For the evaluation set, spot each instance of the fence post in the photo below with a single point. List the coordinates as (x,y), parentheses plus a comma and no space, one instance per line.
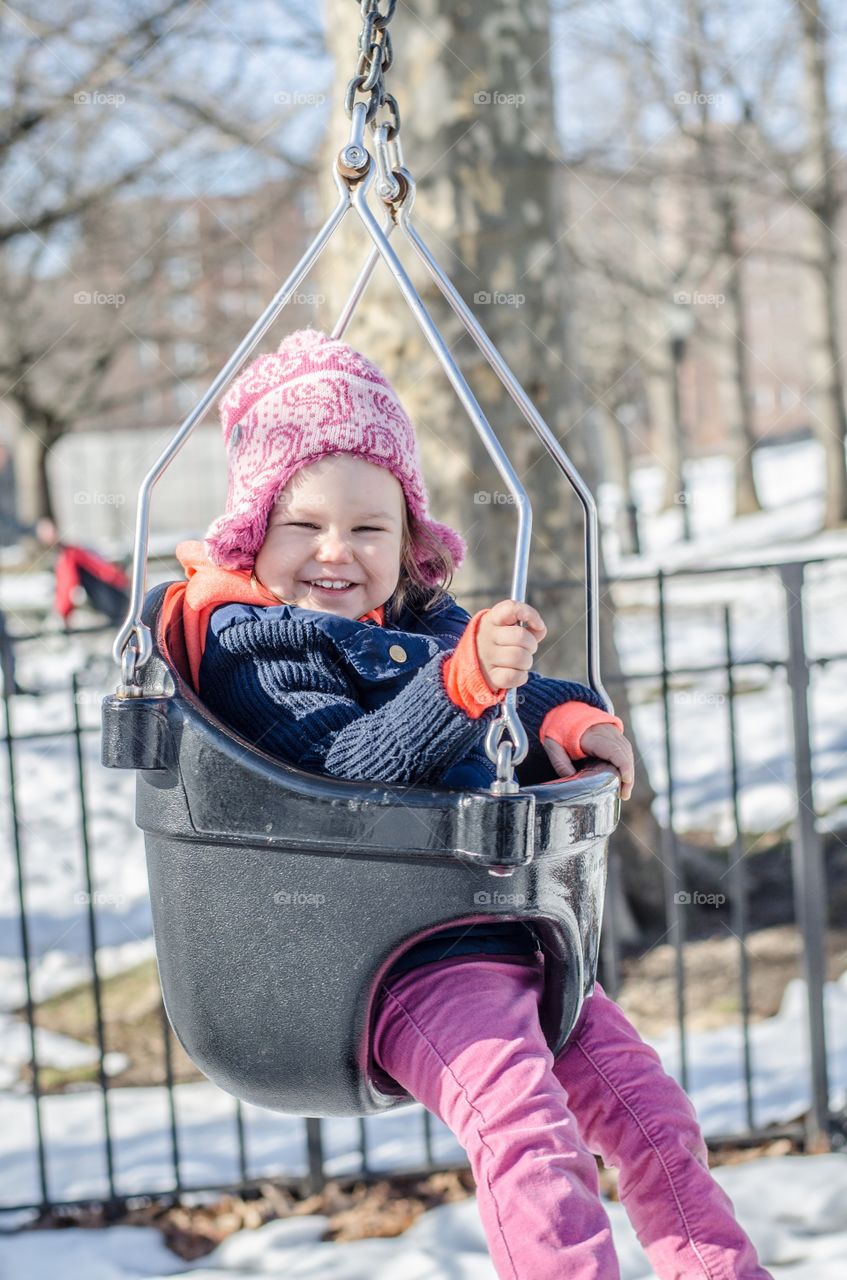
(674,898)
(26,949)
(807,859)
(314,1143)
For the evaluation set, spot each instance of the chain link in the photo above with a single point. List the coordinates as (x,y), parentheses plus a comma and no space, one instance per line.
(375,58)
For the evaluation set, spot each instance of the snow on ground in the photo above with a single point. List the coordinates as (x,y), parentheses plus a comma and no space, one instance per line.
(57,905)
(48,804)
(779,1052)
(790,479)
(794,1209)
(74,1132)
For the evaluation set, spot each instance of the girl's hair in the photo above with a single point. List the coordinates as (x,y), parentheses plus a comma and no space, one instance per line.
(412,590)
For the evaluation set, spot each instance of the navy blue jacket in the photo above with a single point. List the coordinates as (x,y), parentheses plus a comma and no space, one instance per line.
(366,702)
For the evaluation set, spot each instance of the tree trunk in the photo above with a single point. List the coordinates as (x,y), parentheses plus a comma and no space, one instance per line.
(659,391)
(733,350)
(33,437)
(824,353)
(619,470)
(735,354)
(489,204)
(43,497)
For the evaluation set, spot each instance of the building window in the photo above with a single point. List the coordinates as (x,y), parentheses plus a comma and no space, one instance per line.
(185,310)
(148,356)
(185,227)
(233,270)
(181,270)
(188,357)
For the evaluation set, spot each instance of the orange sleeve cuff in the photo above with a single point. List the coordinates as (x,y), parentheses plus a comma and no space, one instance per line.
(466,685)
(567,723)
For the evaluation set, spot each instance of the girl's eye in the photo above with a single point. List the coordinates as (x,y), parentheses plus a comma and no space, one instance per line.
(305,524)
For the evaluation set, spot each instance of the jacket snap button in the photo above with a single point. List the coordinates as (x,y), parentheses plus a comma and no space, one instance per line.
(398,653)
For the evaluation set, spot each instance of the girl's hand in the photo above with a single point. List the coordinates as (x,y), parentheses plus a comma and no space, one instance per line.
(606,742)
(505,648)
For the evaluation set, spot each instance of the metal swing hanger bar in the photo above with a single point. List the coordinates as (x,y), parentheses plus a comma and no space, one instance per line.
(506,755)
(354,174)
(397,190)
(133,646)
(539,426)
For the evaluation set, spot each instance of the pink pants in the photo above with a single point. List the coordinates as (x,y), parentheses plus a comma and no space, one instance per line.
(462,1036)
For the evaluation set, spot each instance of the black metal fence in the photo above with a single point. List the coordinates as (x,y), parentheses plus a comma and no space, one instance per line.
(727,665)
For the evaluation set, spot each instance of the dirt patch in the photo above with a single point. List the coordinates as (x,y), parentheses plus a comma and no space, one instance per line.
(712,969)
(356,1210)
(135,1026)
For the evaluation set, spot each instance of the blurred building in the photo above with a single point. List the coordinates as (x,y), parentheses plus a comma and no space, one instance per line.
(632,232)
(188,278)
(772,280)
(182,282)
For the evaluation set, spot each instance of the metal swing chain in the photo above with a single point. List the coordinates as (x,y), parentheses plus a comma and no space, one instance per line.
(375,58)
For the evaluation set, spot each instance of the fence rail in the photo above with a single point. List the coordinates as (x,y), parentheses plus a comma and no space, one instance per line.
(809,881)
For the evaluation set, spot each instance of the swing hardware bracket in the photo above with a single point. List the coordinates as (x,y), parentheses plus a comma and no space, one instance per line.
(354,158)
(136,733)
(130,685)
(510,844)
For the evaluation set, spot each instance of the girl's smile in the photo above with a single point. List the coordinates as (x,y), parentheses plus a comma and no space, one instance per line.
(334,537)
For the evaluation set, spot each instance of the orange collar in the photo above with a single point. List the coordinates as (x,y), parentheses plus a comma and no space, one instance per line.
(208,586)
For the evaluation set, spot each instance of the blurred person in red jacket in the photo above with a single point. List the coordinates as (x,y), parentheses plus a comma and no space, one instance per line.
(84,577)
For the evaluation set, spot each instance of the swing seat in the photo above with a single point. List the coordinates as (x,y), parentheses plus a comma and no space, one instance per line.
(281,898)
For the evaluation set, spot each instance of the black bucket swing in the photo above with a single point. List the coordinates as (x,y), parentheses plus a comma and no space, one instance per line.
(275,1005)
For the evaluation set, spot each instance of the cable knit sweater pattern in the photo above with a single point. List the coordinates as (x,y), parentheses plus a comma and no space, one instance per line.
(355,700)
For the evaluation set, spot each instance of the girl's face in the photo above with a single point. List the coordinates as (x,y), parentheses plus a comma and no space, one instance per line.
(339,519)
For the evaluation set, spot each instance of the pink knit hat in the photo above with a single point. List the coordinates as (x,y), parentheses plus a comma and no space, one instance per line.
(314,397)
